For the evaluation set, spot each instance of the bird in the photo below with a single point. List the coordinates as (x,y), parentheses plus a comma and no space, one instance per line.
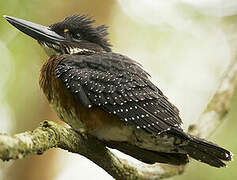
(111,97)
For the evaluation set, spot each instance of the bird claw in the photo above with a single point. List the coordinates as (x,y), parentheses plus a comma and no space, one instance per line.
(82,132)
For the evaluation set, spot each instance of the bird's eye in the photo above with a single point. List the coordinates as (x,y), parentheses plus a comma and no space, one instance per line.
(77,36)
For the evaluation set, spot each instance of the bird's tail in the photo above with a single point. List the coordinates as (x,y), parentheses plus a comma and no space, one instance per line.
(207,152)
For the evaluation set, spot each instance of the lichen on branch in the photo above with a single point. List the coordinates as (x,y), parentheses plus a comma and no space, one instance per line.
(50,135)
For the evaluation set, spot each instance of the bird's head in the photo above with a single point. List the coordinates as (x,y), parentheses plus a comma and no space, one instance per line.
(73,35)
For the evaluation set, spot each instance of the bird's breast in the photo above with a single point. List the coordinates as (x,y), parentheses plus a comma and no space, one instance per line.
(58,96)
(70,110)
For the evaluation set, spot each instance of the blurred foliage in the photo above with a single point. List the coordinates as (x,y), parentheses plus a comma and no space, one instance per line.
(21,59)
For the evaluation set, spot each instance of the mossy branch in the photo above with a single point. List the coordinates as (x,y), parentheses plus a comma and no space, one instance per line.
(50,135)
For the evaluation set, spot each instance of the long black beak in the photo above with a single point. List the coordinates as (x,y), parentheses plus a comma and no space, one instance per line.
(36,31)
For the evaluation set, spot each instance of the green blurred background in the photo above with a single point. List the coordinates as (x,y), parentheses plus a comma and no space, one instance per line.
(185,47)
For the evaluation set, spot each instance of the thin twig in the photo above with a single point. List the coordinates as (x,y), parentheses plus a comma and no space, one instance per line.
(219,105)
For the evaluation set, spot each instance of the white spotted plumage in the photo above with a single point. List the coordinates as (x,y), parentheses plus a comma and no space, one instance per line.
(126,92)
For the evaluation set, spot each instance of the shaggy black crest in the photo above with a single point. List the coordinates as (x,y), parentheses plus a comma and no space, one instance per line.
(82,25)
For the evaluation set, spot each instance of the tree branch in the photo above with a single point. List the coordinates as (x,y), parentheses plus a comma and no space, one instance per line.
(50,135)
(219,105)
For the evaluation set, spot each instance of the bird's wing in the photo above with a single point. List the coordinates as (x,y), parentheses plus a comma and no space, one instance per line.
(118,85)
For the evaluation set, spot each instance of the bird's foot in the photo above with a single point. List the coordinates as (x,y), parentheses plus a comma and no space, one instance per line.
(82,132)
